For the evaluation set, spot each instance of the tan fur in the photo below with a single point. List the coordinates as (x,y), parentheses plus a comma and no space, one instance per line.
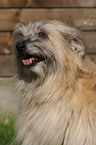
(58,104)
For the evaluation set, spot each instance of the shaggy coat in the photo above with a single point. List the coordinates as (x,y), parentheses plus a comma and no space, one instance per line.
(57,85)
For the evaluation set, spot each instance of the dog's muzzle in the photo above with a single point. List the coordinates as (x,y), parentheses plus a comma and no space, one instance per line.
(27,59)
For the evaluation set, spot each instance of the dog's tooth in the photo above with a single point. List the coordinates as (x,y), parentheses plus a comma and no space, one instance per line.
(30,61)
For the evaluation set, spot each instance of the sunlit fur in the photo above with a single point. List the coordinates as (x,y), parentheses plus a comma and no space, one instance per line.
(58,96)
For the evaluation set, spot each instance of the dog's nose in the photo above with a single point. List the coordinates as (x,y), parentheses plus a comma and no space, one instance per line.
(20,46)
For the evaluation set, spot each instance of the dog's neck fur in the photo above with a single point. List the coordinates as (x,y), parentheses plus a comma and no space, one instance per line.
(44,97)
(53,103)
(44,90)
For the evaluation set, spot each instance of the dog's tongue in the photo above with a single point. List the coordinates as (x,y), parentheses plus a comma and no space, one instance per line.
(28,61)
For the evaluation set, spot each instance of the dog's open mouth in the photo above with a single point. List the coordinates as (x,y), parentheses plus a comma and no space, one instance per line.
(32,60)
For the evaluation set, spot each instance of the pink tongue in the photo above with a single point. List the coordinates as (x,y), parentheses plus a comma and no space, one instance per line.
(28,61)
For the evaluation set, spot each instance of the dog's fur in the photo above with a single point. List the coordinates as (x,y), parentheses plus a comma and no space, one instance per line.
(58,95)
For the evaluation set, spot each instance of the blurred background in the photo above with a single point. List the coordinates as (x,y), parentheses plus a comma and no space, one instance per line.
(79,13)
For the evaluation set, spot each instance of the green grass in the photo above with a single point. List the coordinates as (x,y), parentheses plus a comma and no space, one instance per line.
(7,130)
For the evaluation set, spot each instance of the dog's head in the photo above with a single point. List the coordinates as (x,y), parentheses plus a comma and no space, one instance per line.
(47,46)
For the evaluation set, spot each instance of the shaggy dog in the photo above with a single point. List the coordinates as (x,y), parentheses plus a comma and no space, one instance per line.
(57,86)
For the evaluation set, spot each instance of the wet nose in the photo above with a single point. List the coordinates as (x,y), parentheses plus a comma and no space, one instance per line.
(20,46)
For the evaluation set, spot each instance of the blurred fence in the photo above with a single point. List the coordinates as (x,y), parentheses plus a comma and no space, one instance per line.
(81,13)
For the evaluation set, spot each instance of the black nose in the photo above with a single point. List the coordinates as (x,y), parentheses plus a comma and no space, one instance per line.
(20,46)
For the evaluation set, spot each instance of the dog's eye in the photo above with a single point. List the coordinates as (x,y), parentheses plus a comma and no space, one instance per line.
(21,35)
(42,34)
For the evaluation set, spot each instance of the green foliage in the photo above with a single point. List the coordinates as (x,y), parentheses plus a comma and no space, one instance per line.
(7,131)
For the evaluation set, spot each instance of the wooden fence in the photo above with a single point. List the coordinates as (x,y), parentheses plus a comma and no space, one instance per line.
(81,13)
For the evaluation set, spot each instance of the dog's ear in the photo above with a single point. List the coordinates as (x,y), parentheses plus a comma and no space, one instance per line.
(74,37)
(76,40)
(18,25)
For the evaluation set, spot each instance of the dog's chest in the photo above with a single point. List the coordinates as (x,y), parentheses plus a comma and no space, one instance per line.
(44,125)
(52,125)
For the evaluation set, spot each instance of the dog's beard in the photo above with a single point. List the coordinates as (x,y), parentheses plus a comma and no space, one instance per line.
(43,48)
